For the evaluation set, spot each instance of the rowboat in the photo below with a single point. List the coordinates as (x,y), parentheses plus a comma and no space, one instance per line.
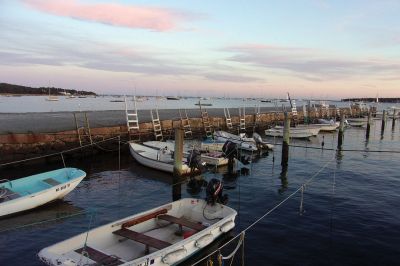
(296,134)
(314,130)
(162,236)
(160,159)
(321,127)
(33,191)
(215,158)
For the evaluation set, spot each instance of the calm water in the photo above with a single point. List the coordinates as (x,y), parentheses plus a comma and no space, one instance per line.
(350,216)
(25,104)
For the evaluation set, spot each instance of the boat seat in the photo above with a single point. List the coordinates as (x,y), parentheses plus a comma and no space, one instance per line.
(51,181)
(143,218)
(99,257)
(148,241)
(182,222)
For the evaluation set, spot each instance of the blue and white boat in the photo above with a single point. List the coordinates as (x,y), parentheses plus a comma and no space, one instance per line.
(33,191)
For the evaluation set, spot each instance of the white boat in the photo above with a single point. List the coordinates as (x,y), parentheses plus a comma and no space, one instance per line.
(314,130)
(297,134)
(357,122)
(160,159)
(33,191)
(244,143)
(215,158)
(162,236)
(52,97)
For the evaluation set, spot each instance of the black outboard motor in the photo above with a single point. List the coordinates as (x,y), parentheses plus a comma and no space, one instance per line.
(230,150)
(194,160)
(214,192)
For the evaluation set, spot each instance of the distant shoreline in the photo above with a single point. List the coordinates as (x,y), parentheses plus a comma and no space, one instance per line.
(380,100)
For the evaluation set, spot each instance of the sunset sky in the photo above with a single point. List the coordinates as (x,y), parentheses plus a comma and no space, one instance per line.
(310,48)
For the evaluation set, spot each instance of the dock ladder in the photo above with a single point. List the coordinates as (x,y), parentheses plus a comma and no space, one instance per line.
(242,119)
(83,128)
(257,116)
(132,120)
(185,123)
(155,118)
(206,122)
(228,119)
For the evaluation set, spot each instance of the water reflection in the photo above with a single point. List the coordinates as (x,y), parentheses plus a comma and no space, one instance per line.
(284,181)
(44,216)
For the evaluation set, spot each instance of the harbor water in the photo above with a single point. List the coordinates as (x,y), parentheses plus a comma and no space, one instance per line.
(347,214)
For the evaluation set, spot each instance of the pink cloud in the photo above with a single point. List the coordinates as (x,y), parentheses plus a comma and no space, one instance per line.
(153,18)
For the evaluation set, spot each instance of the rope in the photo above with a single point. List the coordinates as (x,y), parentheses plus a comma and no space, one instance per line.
(62,157)
(270,211)
(241,239)
(333,149)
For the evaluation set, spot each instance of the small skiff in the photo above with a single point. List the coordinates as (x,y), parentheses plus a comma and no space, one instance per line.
(33,191)
(314,130)
(211,158)
(162,236)
(247,144)
(295,134)
(357,122)
(160,159)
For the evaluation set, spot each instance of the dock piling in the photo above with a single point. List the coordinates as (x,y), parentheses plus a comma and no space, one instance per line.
(368,124)
(178,154)
(394,119)
(341,130)
(383,122)
(285,144)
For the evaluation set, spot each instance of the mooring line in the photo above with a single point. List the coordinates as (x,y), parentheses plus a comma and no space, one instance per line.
(268,212)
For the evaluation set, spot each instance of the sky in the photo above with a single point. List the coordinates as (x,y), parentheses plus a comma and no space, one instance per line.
(259,48)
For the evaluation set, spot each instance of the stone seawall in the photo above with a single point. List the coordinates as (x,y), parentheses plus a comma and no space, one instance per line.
(17,146)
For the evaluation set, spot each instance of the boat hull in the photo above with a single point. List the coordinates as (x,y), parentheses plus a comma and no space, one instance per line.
(33,199)
(130,252)
(299,134)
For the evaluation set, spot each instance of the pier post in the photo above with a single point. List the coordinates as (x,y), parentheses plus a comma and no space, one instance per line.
(285,144)
(383,122)
(178,154)
(341,130)
(368,124)
(394,119)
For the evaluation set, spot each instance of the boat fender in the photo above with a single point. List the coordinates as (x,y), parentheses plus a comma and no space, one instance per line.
(204,241)
(174,256)
(227,226)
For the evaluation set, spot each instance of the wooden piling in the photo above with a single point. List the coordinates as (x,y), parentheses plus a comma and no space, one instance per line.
(341,130)
(383,122)
(368,124)
(286,137)
(178,156)
(394,119)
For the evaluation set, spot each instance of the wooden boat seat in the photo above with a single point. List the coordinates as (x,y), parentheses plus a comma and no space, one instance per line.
(51,181)
(99,257)
(143,218)
(182,222)
(148,241)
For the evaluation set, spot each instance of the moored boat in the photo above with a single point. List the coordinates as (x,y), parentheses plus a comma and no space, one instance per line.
(33,191)
(165,235)
(243,142)
(297,134)
(160,159)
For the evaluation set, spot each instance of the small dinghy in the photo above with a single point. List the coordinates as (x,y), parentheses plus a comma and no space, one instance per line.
(215,158)
(33,191)
(357,122)
(162,236)
(296,134)
(160,159)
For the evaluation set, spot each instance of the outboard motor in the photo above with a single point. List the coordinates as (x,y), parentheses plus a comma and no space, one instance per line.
(230,151)
(194,160)
(257,138)
(214,192)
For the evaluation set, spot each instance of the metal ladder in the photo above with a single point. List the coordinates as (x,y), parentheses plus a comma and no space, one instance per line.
(132,121)
(185,123)
(155,118)
(206,122)
(83,129)
(242,119)
(228,119)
